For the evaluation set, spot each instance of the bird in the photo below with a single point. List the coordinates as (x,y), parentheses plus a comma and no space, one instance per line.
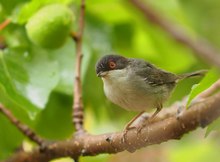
(137,85)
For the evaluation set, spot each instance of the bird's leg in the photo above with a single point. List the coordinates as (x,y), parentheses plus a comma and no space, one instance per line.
(155,113)
(180,108)
(127,127)
(159,107)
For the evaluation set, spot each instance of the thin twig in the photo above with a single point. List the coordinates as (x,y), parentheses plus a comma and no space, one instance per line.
(200,47)
(4,24)
(22,127)
(78,104)
(198,115)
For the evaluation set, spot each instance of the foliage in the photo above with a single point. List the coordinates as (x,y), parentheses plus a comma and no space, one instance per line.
(50,26)
(36,83)
(211,77)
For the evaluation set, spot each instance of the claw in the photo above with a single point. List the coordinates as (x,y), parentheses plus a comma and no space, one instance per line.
(130,126)
(139,129)
(124,135)
(125,131)
(179,111)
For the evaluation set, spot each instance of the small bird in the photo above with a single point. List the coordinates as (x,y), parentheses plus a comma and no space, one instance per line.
(137,85)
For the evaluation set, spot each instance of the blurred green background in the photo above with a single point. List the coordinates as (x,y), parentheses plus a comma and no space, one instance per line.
(36,84)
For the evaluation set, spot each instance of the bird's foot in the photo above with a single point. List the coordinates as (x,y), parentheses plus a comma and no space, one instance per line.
(180,109)
(124,133)
(139,129)
(144,124)
(130,126)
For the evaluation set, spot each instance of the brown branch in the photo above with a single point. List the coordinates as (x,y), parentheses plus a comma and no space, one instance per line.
(78,104)
(22,127)
(200,47)
(199,114)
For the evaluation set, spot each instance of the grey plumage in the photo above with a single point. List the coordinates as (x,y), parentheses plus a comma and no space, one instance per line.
(135,84)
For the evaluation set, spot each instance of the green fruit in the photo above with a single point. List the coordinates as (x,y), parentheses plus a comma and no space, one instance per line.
(50,26)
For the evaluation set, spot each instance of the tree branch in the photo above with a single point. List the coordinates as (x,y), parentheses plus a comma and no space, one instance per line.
(22,127)
(200,47)
(78,104)
(199,114)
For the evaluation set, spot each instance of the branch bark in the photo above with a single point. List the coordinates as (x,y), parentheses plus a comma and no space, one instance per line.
(201,48)
(198,115)
(77,100)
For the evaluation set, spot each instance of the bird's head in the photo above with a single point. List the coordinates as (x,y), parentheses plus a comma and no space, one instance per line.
(110,62)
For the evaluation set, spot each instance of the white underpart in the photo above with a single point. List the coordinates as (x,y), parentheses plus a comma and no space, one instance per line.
(130,91)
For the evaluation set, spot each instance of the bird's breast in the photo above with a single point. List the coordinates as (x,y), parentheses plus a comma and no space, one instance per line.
(127,93)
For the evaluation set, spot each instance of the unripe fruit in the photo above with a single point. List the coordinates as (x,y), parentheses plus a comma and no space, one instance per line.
(50,26)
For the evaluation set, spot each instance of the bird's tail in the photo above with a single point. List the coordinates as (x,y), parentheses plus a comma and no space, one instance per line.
(193,74)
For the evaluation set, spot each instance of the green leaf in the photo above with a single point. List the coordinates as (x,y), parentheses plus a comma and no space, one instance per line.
(55,121)
(43,78)
(15,36)
(10,137)
(65,57)
(213,126)
(8,6)
(28,77)
(107,9)
(30,8)
(9,85)
(123,34)
(206,82)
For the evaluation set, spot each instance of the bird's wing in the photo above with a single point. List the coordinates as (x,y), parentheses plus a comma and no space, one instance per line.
(154,76)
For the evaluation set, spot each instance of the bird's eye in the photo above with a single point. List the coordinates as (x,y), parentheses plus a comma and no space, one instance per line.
(112,64)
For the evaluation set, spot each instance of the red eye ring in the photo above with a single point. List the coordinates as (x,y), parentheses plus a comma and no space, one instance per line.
(112,64)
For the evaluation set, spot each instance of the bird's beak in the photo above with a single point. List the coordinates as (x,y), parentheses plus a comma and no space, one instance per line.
(102,73)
